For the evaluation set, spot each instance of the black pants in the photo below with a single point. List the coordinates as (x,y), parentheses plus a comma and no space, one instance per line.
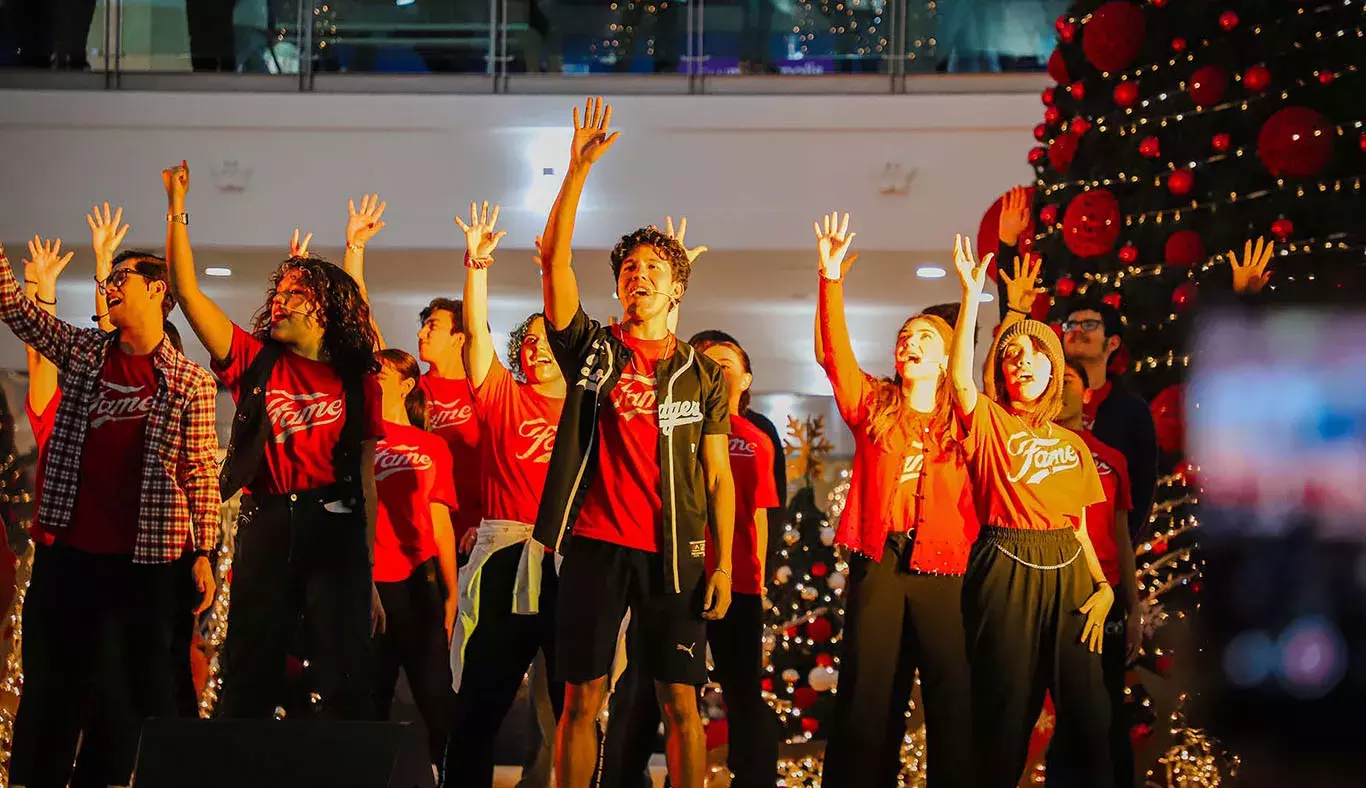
(497,657)
(1024,638)
(295,558)
(97,653)
(737,652)
(414,639)
(1114,664)
(897,621)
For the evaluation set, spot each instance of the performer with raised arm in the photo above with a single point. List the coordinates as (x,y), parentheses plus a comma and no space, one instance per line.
(1035,597)
(415,570)
(506,615)
(640,467)
(309,414)
(106,589)
(909,522)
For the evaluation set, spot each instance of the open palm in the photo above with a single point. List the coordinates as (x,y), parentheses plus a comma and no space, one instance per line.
(833,241)
(591,139)
(972,273)
(480,237)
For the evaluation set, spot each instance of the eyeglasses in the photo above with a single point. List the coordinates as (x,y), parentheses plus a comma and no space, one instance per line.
(1085,325)
(116,280)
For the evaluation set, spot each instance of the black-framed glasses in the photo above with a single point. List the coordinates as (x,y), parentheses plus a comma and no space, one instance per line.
(117,279)
(1085,325)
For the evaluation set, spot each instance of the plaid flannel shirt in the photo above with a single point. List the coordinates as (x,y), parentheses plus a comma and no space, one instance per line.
(179,495)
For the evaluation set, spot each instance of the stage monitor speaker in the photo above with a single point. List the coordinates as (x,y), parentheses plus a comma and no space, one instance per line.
(175,753)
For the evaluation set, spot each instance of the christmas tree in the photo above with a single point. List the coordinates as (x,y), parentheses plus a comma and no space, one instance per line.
(1177,131)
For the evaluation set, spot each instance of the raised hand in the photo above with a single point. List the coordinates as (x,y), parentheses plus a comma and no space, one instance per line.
(833,240)
(591,139)
(693,253)
(177,181)
(480,238)
(45,261)
(1250,275)
(1014,215)
(971,273)
(299,248)
(106,231)
(1021,289)
(366,223)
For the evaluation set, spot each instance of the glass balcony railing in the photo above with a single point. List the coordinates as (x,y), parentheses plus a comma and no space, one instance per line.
(702,40)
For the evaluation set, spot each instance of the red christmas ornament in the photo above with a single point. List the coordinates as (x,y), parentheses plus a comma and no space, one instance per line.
(791,632)
(1178,44)
(1221,142)
(1186,471)
(1052,115)
(294,668)
(1048,96)
(1228,20)
(819,569)
(825,660)
(804,698)
(1159,546)
(1197,587)
(1069,33)
(1065,286)
(1361,143)
(1056,326)
(1159,3)
(1079,126)
(1040,131)
(1091,223)
(1150,147)
(717,733)
(1126,94)
(1037,154)
(1257,78)
(1163,665)
(766,685)
(1140,733)
(1296,141)
(1114,35)
(1111,298)
(1059,22)
(1326,77)
(1207,85)
(1180,182)
(1048,214)
(1042,303)
(1282,228)
(1184,248)
(819,629)
(810,725)
(1061,151)
(1128,254)
(1078,90)
(1057,68)
(1169,417)
(1183,297)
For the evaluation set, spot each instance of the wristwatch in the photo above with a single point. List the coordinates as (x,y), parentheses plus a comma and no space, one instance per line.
(182,218)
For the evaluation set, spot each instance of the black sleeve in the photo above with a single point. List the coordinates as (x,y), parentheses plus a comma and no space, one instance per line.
(571,344)
(1142,459)
(1005,260)
(779,458)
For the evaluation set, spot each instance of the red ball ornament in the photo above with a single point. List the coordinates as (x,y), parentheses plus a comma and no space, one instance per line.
(1184,248)
(819,629)
(1257,78)
(1052,115)
(1059,22)
(1078,90)
(1169,418)
(1159,546)
(1228,20)
(1069,33)
(1112,299)
(1361,142)
(1057,68)
(1048,214)
(1186,471)
(1207,85)
(1126,94)
(1039,310)
(1140,733)
(1282,228)
(1150,147)
(1040,131)
(791,632)
(1180,182)
(1296,141)
(1114,35)
(1178,44)
(804,698)
(819,569)
(1183,297)
(1163,665)
(1065,287)
(1221,142)
(1091,223)
(1128,254)
(766,685)
(1037,154)
(1061,151)
(1326,77)
(1048,96)
(1079,126)
(825,661)
(1159,3)
(810,725)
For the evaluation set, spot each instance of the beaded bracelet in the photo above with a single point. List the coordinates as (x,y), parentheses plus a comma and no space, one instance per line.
(477,263)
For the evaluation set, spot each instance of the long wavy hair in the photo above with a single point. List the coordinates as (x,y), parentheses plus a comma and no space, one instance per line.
(402,362)
(889,407)
(348,334)
(515,346)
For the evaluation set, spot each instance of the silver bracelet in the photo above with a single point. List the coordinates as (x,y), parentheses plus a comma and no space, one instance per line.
(725,572)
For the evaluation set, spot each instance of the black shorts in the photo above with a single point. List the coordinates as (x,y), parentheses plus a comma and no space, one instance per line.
(598,582)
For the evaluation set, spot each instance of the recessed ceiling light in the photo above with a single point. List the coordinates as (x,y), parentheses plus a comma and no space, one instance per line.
(930,272)
(213,271)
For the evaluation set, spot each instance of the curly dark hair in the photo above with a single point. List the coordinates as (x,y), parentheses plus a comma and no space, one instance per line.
(153,269)
(665,246)
(348,333)
(515,346)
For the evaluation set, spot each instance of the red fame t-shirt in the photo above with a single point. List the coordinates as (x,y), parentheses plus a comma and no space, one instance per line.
(307,409)
(623,504)
(450,414)
(751,463)
(105,518)
(41,424)
(519,426)
(412,472)
(1100,517)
